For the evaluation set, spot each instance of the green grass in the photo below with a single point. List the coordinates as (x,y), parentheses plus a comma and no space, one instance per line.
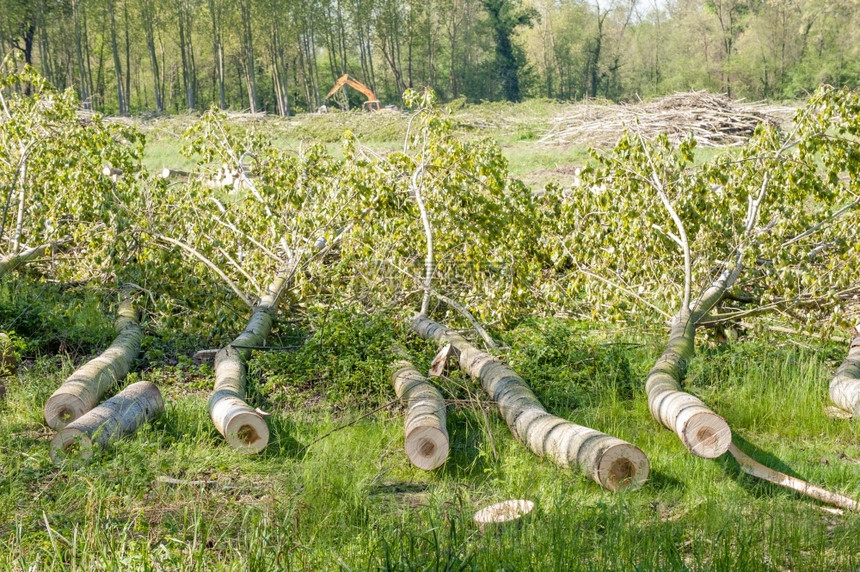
(334,490)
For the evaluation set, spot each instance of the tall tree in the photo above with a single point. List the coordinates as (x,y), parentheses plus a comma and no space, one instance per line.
(147,20)
(505,17)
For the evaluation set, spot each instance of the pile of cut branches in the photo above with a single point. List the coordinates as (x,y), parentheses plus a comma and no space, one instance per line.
(714,119)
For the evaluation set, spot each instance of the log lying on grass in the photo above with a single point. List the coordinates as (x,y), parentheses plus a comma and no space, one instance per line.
(239,423)
(702,431)
(845,386)
(426,433)
(613,463)
(120,415)
(83,389)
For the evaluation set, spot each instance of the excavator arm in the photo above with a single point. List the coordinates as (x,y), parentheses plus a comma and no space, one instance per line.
(372,103)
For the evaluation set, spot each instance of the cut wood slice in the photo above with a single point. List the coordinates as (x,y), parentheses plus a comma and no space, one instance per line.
(502,512)
(120,415)
(83,389)
(426,440)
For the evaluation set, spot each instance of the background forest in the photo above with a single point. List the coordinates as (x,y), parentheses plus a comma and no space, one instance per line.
(281,56)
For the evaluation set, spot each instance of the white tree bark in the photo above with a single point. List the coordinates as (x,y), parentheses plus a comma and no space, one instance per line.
(611,462)
(83,389)
(702,431)
(845,386)
(120,415)
(239,423)
(426,436)
(13,261)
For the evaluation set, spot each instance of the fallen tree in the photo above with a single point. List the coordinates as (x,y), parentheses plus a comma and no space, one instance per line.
(83,389)
(239,423)
(426,437)
(120,415)
(845,386)
(611,462)
(765,225)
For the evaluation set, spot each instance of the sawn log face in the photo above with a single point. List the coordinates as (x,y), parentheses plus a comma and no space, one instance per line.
(238,422)
(702,431)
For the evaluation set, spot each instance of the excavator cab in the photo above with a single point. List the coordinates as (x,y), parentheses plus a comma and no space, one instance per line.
(370,105)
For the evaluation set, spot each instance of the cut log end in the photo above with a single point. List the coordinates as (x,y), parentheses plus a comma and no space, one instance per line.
(499,513)
(71,444)
(623,467)
(247,432)
(427,447)
(706,435)
(62,409)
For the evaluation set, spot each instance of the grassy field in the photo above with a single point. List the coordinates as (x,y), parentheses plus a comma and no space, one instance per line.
(516,127)
(334,490)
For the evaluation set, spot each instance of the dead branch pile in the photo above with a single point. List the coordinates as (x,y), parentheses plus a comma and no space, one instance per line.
(714,119)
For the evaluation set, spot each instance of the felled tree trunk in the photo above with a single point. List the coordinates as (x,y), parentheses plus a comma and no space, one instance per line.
(425,430)
(239,423)
(83,389)
(613,463)
(702,431)
(120,415)
(13,261)
(845,386)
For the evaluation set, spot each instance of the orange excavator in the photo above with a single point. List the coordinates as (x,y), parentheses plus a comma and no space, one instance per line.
(372,104)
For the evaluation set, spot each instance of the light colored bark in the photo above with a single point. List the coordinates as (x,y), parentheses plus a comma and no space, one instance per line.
(239,423)
(756,469)
(611,462)
(702,431)
(13,261)
(120,415)
(83,389)
(426,436)
(845,386)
